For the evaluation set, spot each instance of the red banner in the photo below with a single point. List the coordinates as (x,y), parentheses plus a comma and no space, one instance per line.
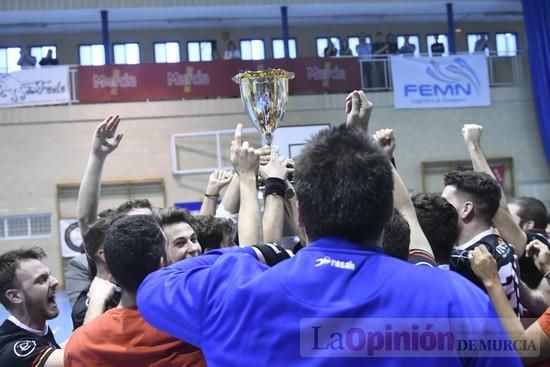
(209,79)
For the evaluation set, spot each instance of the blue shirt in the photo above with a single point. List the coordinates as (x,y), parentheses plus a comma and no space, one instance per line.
(323,307)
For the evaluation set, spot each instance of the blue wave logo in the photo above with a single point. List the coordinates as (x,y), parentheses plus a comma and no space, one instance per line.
(455,79)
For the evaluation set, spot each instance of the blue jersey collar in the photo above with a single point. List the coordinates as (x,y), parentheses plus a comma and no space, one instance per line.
(341,243)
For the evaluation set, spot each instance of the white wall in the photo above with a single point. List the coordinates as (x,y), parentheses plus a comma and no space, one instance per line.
(43,146)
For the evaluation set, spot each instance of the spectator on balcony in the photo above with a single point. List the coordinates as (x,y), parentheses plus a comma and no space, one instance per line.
(392,45)
(482,44)
(437,47)
(26,60)
(379,47)
(330,50)
(49,59)
(408,48)
(364,49)
(345,50)
(231,53)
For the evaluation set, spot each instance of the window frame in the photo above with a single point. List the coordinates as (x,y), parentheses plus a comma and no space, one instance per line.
(42,46)
(417,52)
(282,39)
(328,37)
(91,44)
(354,50)
(251,39)
(126,43)
(18,68)
(164,43)
(6,236)
(475,34)
(429,47)
(211,41)
(516,51)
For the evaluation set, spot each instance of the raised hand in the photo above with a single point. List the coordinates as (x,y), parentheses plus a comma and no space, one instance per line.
(540,254)
(472,133)
(386,139)
(358,110)
(243,157)
(217,181)
(483,264)
(275,168)
(105,138)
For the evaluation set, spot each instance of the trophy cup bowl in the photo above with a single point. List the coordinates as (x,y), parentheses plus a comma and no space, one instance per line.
(264,94)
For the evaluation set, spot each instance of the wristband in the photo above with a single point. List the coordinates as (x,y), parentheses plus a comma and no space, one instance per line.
(211,196)
(273,253)
(276,186)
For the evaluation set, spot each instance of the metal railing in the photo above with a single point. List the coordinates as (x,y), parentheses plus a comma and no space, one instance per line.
(503,71)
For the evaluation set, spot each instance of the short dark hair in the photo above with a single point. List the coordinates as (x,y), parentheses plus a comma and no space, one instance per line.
(531,208)
(397,237)
(167,216)
(9,262)
(95,235)
(134,246)
(344,185)
(210,230)
(439,221)
(481,188)
(134,204)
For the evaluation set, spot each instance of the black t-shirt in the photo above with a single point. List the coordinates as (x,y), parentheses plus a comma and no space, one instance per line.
(527,270)
(81,306)
(22,348)
(438,48)
(506,265)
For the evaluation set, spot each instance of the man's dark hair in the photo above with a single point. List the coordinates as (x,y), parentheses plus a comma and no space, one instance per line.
(134,246)
(9,262)
(134,204)
(344,185)
(533,209)
(210,231)
(439,222)
(167,216)
(95,235)
(397,237)
(480,188)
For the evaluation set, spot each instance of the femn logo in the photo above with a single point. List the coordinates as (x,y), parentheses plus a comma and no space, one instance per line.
(455,79)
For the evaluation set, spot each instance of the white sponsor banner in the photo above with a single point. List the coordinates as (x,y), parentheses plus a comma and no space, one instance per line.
(440,82)
(34,87)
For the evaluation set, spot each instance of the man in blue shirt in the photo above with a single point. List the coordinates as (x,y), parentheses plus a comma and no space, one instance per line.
(340,300)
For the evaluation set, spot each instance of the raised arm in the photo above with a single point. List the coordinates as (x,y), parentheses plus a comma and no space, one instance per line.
(485,267)
(503,221)
(401,199)
(358,110)
(246,162)
(216,182)
(274,174)
(104,142)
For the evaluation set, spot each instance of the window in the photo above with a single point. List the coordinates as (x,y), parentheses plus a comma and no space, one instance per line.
(479,39)
(92,54)
(200,51)
(413,40)
(41,51)
(126,53)
(252,49)
(507,44)
(353,41)
(25,226)
(8,59)
(167,52)
(279,48)
(430,40)
(322,43)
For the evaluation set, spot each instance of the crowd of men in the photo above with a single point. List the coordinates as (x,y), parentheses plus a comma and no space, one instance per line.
(338,265)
